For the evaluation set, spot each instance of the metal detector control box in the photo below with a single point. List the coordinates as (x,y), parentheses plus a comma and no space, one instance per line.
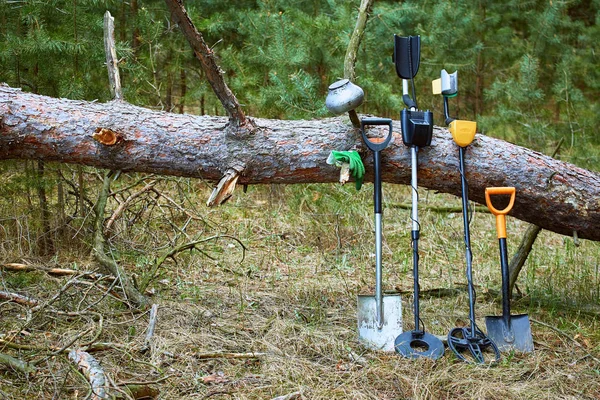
(417,127)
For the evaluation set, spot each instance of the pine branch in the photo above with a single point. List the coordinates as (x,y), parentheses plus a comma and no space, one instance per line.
(206,56)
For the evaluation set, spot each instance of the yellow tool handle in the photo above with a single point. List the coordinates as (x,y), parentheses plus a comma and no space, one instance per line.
(500,214)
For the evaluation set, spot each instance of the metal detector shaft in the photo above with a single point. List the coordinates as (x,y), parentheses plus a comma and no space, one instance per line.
(417,343)
(461,339)
(468,253)
(415,232)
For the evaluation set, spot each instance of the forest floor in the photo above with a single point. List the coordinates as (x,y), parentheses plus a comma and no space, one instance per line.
(278,319)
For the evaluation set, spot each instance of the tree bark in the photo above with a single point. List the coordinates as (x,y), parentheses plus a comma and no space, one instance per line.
(553,194)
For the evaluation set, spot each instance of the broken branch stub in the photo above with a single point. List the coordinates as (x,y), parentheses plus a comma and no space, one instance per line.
(224,189)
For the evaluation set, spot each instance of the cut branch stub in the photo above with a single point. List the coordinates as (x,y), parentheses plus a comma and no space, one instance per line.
(107,136)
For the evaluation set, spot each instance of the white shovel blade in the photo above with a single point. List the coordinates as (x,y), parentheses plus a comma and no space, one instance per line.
(368,332)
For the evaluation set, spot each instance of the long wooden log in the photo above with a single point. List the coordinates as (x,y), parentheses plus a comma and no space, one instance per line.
(553,194)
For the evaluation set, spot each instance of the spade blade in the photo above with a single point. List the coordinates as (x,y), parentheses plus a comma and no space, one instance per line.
(516,335)
(368,331)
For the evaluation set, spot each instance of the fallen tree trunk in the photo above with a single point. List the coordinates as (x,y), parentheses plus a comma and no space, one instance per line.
(554,195)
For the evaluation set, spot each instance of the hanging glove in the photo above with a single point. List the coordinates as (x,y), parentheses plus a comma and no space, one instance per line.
(352,158)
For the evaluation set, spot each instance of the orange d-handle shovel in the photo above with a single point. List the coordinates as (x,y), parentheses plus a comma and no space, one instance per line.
(509,332)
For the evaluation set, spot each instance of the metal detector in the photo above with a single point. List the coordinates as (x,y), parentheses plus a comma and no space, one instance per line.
(379,316)
(468,343)
(417,131)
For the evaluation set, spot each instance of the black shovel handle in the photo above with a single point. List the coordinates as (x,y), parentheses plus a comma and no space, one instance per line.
(506,295)
(376,146)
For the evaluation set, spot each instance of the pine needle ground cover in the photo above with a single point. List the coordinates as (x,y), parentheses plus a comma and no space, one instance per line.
(279,318)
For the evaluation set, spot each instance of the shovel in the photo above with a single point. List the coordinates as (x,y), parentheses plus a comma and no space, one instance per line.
(509,332)
(379,316)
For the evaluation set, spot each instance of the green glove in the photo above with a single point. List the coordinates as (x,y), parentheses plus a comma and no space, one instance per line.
(349,157)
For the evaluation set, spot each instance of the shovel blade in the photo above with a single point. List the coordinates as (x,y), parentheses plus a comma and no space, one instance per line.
(369,332)
(516,337)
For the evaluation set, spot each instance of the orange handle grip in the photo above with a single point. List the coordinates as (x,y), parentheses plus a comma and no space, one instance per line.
(500,214)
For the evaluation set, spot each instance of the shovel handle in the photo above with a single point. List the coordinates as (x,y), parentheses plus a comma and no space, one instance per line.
(376,144)
(500,214)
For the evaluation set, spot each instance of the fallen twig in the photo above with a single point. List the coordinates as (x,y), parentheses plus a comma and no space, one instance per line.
(16,364)
(180,208)
(110,265)
(555,329)
(289,396)
(151,325)
(117,213)
(16,346)
(56,296)
(18,298)
(51,271)
(229,355)
(144,383)
(77,337)
(91,369)
(103,346)
(178,249)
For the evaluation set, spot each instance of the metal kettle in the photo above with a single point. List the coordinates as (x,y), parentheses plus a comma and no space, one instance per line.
(343,96)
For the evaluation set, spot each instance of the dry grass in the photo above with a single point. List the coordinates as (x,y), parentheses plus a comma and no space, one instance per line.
(293,300)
